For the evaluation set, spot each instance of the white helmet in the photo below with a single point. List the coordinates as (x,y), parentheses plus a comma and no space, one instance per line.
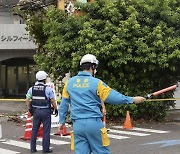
(41,75)
(89,58)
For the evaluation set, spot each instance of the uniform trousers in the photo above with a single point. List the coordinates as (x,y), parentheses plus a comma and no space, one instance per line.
(87,136)
(44,116)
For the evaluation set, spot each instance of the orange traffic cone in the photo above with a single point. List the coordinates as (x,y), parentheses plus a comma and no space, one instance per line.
(127,123)
(40,132)
(58,133)
(28,130)
(64,131)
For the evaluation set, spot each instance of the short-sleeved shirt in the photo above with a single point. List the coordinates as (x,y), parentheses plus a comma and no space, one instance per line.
(48,91)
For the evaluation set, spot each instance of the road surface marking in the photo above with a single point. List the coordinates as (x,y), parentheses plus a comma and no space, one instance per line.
(165,143)
(144,130)
(21,144)
(127,132)
(53,141)
(5,151)
(68,136)
(117,137)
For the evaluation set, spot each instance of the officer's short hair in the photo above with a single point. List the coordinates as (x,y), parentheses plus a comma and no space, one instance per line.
(86,66)
(41,80)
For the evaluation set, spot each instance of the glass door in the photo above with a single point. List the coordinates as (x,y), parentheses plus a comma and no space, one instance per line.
(11,80)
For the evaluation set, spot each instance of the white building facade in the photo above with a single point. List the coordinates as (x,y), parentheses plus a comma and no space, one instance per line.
(17,67)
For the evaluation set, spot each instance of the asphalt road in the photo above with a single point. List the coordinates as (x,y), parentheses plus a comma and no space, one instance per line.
(144,138)
(163,138)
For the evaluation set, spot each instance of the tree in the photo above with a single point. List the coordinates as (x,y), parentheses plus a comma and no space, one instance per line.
(137,43)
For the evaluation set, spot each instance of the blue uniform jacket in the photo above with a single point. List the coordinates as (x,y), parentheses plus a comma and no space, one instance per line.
(84,93)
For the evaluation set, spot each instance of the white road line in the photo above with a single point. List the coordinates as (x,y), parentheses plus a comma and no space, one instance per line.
(127,132)
(117,137)
(5,151)
(53,141)
(68,136)
(144,130)
(21,144)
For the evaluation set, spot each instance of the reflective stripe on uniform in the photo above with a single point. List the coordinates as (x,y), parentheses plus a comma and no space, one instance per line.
(29,96)
(40,107)
(65,93)
(38,97)
(103,91)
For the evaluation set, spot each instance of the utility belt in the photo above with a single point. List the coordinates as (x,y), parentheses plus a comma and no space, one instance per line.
(41,103)
(40,107)
(88,119)
(33,108)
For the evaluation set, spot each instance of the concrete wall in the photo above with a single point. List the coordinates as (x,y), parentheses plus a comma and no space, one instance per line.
(10,18)
(8,54)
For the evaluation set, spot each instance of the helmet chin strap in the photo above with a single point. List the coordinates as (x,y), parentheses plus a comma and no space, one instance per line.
(94,71)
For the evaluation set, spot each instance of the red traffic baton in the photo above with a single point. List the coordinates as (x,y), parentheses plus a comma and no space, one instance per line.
(162,91)
(104,120)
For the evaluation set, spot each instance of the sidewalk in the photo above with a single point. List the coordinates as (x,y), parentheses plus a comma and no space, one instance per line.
(177,95)
(174,114)
(14,108)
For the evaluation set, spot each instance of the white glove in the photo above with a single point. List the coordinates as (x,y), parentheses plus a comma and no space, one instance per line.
(138,99)
(60,127)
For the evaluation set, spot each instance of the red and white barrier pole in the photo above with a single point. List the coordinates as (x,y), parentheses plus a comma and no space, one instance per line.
(104,120)
(162,91)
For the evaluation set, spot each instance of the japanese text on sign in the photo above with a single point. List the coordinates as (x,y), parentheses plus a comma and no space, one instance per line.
(16,38)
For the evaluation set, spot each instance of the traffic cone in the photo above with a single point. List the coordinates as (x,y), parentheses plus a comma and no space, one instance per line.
(28,130)
(40,132)
(127,123)
(64,131)
(58,133)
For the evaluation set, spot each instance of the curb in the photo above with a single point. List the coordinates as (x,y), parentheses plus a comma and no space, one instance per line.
(173,115)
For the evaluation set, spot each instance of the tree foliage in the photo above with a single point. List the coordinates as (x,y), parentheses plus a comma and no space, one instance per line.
(137,43)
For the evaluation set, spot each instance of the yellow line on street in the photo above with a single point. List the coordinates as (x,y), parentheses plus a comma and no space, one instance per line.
(147,100)
(15,100)
(165,99)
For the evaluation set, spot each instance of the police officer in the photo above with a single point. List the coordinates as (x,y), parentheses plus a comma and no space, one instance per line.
(39,99)
(84,93)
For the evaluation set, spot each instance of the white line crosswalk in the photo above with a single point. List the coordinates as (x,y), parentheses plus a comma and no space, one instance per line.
(114,133)
(5,151)
(128,133)
(144,130)
(21,144)
(118,137)
(57,142)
